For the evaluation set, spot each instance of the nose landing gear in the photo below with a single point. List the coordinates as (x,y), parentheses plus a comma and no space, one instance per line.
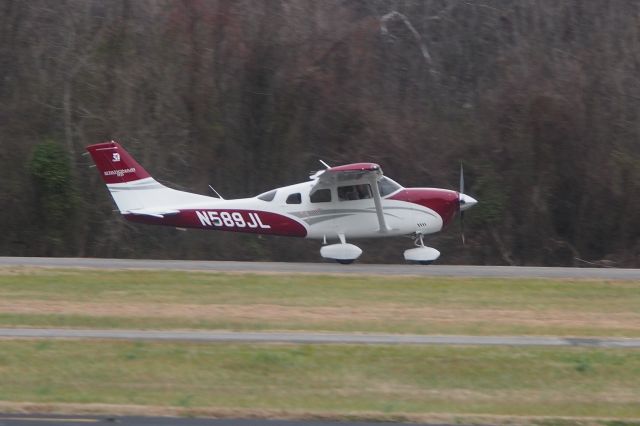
(421,254)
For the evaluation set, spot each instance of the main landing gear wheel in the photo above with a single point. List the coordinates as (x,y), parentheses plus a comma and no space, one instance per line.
(421,254)
(343,252)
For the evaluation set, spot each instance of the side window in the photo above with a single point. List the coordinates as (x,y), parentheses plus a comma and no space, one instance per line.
(321,196)
(294,198)
(267,196)
(354,192)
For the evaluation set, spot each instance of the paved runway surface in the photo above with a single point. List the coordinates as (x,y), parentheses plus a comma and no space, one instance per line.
(317,338)
(329,268)
(42,420)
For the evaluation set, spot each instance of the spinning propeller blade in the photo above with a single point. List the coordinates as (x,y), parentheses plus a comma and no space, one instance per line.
(461,201)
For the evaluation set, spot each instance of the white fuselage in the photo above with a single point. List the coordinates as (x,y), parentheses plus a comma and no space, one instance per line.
(326,219)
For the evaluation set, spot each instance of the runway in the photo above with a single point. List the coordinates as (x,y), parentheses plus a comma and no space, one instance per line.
(311,338)
(329,268)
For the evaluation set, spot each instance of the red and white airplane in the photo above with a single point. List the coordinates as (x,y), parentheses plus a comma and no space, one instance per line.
(337,203)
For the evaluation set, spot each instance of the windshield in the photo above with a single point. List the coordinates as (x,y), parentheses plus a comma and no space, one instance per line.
(387,186)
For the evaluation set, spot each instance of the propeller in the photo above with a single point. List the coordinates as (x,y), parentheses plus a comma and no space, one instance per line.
(461,201)
(464,201)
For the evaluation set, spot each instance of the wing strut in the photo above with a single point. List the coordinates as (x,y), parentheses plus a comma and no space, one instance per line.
(378,202)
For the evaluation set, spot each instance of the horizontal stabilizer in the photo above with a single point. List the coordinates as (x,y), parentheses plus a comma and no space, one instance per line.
(152,212)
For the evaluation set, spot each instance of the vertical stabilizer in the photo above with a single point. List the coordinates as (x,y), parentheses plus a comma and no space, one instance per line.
(132,188)
(115,164)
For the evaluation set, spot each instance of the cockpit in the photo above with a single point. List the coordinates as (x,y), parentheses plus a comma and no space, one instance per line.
(354,192)
(361,191)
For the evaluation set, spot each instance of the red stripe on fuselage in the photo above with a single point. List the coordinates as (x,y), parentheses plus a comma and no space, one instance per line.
(248,221)
(442,201)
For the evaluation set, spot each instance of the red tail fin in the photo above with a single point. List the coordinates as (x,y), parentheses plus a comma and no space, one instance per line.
(115,164)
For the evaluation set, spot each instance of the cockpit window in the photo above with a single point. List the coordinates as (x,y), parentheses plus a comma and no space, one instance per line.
(321,196)
(268,196)
(354,192)
(387,186)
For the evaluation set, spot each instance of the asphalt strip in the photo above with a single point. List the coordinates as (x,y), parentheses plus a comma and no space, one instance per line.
(311,338)
(328,268)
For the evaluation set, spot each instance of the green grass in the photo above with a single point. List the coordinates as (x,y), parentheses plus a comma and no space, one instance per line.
(327,378)
(388,380)
(147,299)
(313,290)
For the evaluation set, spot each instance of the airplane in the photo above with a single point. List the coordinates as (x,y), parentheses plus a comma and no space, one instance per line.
(351,201)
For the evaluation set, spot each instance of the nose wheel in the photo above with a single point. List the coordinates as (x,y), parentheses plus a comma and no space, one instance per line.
(421,254)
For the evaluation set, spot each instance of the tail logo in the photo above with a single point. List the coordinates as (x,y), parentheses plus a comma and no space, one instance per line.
(120,173)
(116,157)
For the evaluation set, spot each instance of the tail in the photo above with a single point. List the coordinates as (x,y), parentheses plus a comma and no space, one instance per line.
(132,187)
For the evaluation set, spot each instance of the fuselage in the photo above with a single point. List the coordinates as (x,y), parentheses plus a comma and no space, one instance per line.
(304,210)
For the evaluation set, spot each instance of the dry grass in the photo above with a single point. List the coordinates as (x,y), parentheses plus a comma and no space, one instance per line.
(326,314)
(114,410)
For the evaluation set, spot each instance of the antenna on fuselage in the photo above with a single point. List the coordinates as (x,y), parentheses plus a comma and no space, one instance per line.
(316,174)
(215,192)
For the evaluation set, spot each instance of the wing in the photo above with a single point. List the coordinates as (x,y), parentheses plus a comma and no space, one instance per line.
(334,175)
(350,172)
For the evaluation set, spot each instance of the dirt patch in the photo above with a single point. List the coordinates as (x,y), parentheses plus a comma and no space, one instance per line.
(324,314)
(114,410)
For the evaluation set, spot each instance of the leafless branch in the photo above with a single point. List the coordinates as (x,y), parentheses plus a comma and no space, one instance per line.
(421,44)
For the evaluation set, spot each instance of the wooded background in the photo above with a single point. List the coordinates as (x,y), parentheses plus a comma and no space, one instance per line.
(539,99)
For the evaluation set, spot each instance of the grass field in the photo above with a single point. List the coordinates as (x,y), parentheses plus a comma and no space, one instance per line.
(327,378)
(339,381)
(187,300)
